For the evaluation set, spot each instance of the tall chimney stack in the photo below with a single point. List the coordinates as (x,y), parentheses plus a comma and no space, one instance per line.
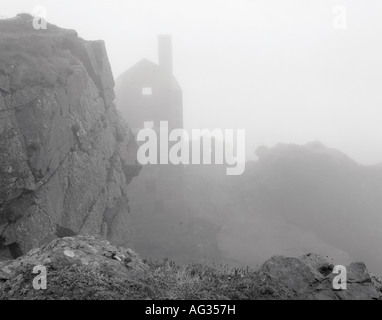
(165,53)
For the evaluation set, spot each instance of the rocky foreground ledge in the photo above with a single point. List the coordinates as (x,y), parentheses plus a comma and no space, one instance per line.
(85,268)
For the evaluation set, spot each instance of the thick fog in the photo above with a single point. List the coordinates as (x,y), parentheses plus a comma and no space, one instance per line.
(286,71)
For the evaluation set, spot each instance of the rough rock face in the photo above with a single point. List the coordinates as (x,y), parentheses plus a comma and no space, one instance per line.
(76,268)
(90,268)
(310,277)
(66,156)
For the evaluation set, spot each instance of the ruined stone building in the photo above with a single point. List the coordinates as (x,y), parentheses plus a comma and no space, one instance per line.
(149,92)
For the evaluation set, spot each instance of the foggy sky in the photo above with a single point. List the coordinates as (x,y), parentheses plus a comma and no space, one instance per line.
(277,68)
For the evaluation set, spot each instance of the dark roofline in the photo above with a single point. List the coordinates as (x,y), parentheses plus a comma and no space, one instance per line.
(140,63)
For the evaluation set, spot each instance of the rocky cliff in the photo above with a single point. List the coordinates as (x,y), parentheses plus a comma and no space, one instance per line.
(66,156)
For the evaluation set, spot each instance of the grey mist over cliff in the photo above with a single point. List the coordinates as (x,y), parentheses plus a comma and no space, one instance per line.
(277,68)
(302,78)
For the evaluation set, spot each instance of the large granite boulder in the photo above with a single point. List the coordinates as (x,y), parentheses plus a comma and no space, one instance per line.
(310,277)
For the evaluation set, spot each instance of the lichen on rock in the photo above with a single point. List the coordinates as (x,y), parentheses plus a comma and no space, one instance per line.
(76,268)
(89,268)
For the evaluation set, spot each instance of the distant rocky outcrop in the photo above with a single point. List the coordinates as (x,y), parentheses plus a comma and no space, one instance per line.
(323,191)
(294,199)
(66,155)
(89,268)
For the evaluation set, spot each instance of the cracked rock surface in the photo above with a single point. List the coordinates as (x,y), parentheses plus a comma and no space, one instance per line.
(76,268)
(66,155)
(89,268)
(310,277)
